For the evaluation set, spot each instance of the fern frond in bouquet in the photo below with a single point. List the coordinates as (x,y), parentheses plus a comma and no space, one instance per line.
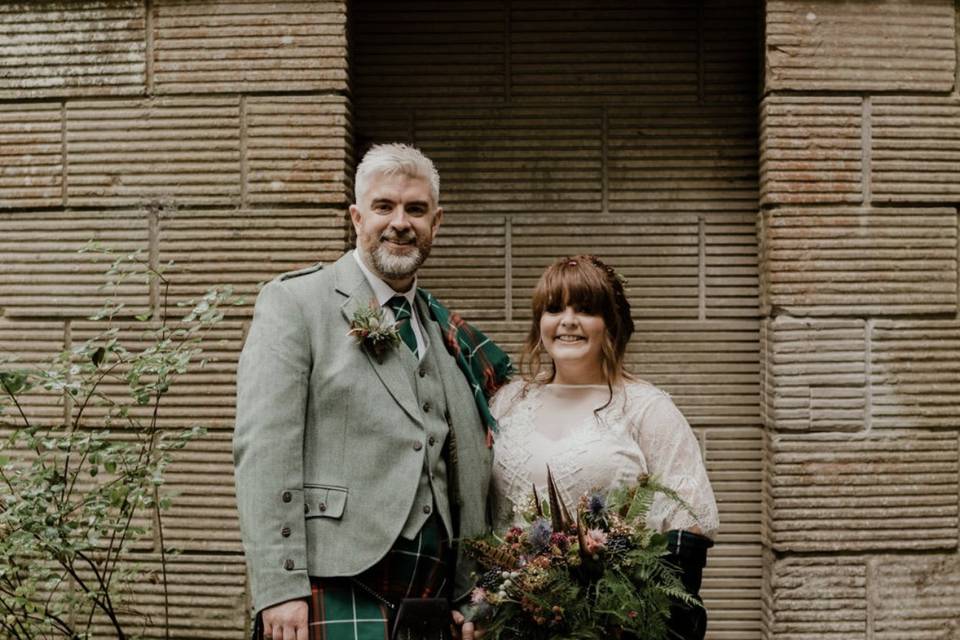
(601,574)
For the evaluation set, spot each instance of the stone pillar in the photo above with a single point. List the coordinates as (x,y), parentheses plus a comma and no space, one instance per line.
(860,180)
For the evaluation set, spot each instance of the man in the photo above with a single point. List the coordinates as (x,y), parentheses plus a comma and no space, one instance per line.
(360,445)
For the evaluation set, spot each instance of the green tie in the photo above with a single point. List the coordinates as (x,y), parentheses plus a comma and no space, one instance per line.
(401,313)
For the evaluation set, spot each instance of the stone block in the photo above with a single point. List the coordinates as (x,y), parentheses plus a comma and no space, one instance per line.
(821,45)
(915,597)
(734,460)
(454,53)
(862,492)
(470,249)
(508,160)
(814,374)
(731,590)
(915,149)
(731,285)
(810,150)
(233,46)
(243,248)
(843,261)
(630,52)
(31,155)
(44,274)
(173,150)
(709,367)
(84,48)
(297,150)
(658,254)
(681,157)
(915,373)
(815,598)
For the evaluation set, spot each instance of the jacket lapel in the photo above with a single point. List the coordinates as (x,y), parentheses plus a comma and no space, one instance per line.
(353,286)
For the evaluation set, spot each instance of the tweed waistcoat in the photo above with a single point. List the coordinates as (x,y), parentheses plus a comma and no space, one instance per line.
(432,489)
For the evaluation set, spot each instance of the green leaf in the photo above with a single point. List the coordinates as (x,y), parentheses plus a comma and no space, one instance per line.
(110,466)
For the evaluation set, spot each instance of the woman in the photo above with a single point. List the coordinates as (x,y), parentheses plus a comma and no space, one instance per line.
(594,424)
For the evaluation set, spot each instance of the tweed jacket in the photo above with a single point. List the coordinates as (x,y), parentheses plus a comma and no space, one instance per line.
(328,445)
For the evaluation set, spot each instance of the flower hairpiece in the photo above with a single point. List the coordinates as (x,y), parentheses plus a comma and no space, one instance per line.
(373,331)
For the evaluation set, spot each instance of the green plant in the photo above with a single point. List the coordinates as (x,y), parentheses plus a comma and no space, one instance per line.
(78,494)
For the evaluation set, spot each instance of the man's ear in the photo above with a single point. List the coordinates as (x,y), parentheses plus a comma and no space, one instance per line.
(355,216)
(437,219)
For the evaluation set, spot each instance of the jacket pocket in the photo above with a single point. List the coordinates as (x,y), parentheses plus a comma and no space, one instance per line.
(321,501)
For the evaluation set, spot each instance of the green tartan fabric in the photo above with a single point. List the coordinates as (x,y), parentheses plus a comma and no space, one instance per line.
(485,365)
(345,609)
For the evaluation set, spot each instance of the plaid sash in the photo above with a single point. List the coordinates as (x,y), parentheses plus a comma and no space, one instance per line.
(485,365)
(363,608)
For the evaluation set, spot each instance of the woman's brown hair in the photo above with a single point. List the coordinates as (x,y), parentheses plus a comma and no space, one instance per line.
(586,283)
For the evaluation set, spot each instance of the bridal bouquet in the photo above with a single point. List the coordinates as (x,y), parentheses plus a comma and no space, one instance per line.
(602,574)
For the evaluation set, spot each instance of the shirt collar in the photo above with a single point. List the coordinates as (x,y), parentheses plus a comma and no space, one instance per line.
(381,289)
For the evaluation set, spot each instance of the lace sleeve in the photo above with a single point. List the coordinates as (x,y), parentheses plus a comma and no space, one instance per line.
(673,455)
(504,399)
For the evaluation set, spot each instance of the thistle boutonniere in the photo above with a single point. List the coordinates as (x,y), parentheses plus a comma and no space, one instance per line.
(372,331)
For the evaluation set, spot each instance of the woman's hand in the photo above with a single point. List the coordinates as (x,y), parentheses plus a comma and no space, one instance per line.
(286,621)
(467,630)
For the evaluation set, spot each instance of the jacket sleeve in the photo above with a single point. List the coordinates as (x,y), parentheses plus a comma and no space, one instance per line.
(272,385)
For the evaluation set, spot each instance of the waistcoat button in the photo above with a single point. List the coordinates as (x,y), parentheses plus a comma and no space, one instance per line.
(426,407)
(286,496)
(422,372)
(285,532)
(426,508)
(288,564)
(417,446)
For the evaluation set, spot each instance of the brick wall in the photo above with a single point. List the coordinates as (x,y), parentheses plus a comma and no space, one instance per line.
(213,134)
(859,169)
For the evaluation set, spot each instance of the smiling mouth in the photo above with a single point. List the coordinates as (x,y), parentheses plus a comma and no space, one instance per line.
(569,338)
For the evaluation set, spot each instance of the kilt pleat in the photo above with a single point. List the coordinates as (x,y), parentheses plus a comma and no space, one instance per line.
(357,608)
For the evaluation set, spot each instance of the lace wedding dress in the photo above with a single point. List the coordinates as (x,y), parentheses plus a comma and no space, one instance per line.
(640,432)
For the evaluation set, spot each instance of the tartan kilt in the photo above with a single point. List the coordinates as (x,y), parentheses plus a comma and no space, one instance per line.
(354,608)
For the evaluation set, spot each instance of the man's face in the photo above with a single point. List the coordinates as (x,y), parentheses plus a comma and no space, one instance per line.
(396,222)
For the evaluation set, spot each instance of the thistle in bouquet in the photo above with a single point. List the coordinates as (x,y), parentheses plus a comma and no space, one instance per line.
(599,574)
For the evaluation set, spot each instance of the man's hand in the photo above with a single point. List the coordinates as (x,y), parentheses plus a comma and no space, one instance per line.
(286,621)
(466,629)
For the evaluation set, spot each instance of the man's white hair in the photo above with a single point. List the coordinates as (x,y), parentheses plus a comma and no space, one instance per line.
(396,159)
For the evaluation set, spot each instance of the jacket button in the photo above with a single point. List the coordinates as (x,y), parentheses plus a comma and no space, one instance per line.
(426,407)
(417,446)
(286,496)
(288,564)
(285,532)
(422,372)
(323,506)
(432,441)
(426,509)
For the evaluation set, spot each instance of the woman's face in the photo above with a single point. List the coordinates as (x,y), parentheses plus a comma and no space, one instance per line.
(574,340)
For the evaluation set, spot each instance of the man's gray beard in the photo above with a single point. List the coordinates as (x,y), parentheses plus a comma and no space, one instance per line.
(395,267)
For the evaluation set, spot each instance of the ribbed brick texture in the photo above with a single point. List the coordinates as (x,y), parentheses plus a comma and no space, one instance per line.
(31,155)
(81,48)
(45,274)
(182,150)
(915,373)
(296,149)
(814,374)
(915,597)
(815,599)
(858,492)
(247,45)
(842,261)
(810,150)
(916,146)
(849,46)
